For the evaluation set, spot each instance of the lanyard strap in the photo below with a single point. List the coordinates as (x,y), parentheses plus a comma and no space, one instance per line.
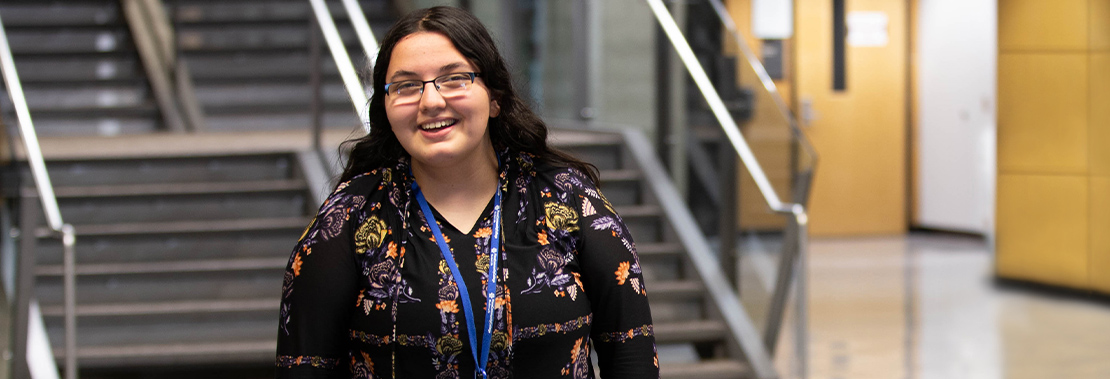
(481,357)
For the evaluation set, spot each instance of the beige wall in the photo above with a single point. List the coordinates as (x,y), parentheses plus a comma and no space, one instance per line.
(1053,206)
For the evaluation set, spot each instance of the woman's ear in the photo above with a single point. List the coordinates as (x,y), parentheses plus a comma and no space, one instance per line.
(494,108)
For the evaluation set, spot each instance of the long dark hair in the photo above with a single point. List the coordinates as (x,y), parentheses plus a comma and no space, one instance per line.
(516,128)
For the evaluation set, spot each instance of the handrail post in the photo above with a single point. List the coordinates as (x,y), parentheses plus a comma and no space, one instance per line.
(314,81)
(27,234)
(69,267)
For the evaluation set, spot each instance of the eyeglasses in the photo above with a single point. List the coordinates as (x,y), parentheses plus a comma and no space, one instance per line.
(449,85)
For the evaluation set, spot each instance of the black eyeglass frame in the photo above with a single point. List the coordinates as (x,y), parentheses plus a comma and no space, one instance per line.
(424,83)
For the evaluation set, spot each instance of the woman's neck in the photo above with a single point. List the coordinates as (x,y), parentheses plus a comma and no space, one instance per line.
(459,191)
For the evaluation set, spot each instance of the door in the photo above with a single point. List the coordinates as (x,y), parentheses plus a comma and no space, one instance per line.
(859,132)
(957,55)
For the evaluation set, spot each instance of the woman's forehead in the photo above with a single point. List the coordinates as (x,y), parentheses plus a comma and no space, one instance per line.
(423,53)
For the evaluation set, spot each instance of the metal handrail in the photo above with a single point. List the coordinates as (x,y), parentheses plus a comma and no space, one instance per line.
(732,131)
(764,77)
(362,30)
(342,59)
(49,203)
(740,325)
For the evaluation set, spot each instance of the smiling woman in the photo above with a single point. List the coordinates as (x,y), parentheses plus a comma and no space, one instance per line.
(410,268)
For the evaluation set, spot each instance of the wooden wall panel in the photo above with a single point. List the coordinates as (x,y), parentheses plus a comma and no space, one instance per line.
(1042,24)
(1099,257)
(1042,113)
(1043,228)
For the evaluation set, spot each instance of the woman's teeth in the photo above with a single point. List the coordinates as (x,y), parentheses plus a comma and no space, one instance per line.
(437,125)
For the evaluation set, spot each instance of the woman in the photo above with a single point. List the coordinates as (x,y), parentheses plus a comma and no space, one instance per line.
(395,276)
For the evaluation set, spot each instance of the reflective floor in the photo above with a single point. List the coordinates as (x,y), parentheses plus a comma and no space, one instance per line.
(926,306)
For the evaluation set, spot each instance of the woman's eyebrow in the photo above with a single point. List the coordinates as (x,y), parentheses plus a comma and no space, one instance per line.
(446,68)
(401,73)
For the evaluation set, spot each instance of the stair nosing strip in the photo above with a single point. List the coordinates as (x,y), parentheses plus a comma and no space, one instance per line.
(132,268)
(185,188)
(180,227)
(169,307)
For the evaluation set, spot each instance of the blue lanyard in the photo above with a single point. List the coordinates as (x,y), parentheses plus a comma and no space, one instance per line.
(480,357)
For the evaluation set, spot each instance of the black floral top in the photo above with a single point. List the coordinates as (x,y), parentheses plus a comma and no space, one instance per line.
(367,293)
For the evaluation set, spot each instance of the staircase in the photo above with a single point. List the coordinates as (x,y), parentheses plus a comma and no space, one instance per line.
(179,259)
(692,341)
(79,68)
(252,61)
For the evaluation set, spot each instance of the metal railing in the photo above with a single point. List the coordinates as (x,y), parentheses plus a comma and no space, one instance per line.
(339,52)
(57,227)
(168,76)
(795,259)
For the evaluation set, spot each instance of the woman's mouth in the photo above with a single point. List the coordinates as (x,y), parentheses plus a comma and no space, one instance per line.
(436,125)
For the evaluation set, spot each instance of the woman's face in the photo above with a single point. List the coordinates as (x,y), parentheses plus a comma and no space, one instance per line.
(435,130)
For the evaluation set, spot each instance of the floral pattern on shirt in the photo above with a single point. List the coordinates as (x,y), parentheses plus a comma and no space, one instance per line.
(368,293)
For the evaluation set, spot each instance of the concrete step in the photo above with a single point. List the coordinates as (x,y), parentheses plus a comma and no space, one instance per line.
(164,267)
(167,307)
(171,170)
(186,227)
(106,211)
(709,369)
(194,188)
(690,331)
(207,12)
(174,247)
(209,339)
(56,14)
(644,221)
(159,287)
(91,40)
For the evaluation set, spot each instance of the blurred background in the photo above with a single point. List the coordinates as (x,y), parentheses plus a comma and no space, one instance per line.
(817,188)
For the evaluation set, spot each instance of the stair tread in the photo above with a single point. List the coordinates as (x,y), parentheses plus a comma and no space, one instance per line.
(204,265)
(690,331)
(675,289)
(199,226)
(640,210)
(620,175)
(658,248)
(168,307)
(175,349)
(186,188)
(710,369)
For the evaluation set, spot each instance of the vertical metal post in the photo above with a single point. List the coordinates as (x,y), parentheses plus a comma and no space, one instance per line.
(727,219)
(25,287)
(69,266)
(801,334)
(314,79)
(583,100)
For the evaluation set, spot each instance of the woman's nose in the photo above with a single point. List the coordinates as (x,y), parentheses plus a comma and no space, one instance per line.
(430,98)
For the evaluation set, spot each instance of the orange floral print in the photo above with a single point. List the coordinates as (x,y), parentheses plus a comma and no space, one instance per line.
(392,250)
(542,237)
(297,265)
(448,306)
(622,272)
(483,232)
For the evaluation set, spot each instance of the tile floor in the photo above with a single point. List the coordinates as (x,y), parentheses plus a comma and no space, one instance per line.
(926,306)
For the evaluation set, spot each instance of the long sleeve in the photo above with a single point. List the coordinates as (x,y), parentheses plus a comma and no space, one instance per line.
(319,291)
(622,330)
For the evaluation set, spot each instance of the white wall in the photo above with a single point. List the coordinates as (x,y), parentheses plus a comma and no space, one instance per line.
(957,45)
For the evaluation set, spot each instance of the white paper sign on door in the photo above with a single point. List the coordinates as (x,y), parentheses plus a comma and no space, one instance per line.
(868,29)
